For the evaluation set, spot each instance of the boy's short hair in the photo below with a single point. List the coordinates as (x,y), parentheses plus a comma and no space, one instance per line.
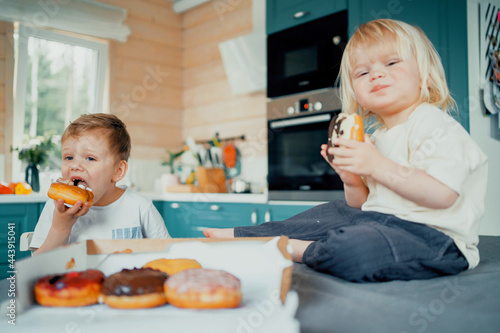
(110,125)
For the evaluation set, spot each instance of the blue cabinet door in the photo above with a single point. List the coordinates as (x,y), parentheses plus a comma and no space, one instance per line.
(189,219)
(443,21)
(281,212)
(14,220)
(284,14)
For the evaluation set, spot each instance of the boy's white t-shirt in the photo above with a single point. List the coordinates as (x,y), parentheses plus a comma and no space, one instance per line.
(433,141)
(131,216)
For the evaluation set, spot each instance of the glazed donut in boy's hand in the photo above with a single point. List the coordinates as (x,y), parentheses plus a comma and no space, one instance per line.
(70,193)
(345,126)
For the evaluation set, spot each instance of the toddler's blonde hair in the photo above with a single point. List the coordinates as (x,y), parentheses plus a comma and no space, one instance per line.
(380,37)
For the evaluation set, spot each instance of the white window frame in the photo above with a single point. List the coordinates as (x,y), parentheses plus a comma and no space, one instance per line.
(21,78)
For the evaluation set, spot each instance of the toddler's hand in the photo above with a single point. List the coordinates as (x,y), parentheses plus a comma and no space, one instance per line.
(348,178)
(361,158)
(65,217)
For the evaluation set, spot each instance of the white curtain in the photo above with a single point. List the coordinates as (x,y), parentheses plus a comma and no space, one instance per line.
(85,17)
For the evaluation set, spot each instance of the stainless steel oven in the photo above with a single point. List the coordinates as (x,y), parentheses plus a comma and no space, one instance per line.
(297,126)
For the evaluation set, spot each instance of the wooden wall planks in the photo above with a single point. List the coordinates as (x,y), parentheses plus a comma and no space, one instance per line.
(146,77)
(209,105)
(3,41)
(192,96)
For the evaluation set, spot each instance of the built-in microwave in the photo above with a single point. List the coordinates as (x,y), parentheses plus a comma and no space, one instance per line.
(297,127)
(306,57)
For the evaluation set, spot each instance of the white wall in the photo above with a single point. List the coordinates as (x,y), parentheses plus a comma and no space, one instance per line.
(480,125)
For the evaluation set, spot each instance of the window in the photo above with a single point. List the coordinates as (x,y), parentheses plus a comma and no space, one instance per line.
(58,78)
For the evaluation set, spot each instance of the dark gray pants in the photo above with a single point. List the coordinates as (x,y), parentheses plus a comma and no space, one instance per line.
(366,246)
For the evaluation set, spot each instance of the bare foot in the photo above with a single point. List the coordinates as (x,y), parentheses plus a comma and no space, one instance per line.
(218,233)
(298,248)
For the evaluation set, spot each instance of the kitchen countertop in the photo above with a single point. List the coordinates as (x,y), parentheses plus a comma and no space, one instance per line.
(209,197)
(156,196)
(257,198)
(25,198)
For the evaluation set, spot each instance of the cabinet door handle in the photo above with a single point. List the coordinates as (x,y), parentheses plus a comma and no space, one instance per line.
(253,217)
(214,208)
(300,14)
(267,216)
(175,205)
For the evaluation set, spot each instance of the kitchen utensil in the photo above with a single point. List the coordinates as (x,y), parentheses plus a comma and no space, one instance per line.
(216,153)
(232,161)
(229,155)
(240,186)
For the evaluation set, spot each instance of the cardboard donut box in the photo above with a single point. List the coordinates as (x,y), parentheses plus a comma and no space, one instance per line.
(263,266)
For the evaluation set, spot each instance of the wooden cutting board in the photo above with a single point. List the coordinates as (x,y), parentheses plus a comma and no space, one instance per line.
(211,180)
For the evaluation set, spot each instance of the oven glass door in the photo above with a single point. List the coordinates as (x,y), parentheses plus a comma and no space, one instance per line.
(294,159)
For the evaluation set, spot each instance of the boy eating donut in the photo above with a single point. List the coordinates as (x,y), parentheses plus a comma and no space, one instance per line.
(95,151)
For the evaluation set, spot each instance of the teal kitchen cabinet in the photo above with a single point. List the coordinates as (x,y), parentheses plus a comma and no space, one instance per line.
(280,212)
(284,14)
(159,206)
(14,220)
(189,219)
(443,21)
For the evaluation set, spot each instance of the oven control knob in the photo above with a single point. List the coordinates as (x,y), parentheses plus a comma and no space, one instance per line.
(318,106)
(290,110)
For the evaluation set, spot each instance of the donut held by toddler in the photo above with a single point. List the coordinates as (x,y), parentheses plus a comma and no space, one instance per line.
(203,289)
(70,289)
(345,126)
(134,289)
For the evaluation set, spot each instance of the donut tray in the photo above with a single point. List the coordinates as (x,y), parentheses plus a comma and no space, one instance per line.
(263,266)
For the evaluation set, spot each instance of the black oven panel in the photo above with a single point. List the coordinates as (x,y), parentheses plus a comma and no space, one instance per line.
(296,170)
(306,57)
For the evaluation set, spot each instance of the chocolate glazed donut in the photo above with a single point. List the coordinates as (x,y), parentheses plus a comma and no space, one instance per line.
(134,289)
(345,126)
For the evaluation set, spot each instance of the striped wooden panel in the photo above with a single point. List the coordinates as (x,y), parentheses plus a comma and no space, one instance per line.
(152,109)
(229,110)
(2,93)
(139,71)
(155,135)
(2,71)
(3,42)
(153,32)
(144,152)
(209,105)
(157,12)
(202,74)
(135,94)
(144,50)
(3,124)
(234,24)
(201,55)
(211,11)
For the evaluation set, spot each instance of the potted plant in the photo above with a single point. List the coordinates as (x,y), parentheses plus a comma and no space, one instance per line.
(34,152)
(171,178)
